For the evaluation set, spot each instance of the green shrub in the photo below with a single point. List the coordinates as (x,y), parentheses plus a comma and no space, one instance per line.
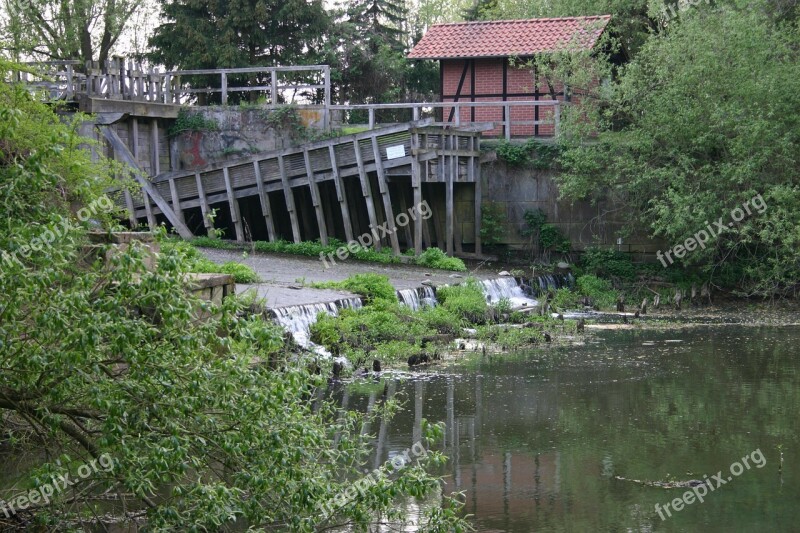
(492,224)
(441,319)
(191,121)
(605,263)
(598,289)
(466,301)
(372,287)
(565,299)
(241,273)
(195,261)
(435,258)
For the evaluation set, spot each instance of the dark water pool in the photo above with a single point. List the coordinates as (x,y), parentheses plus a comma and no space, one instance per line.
(537,439)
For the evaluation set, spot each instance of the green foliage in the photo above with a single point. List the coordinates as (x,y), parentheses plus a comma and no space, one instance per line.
(466,301)
(190,120)
(435,258)
(492,223)
(531,153)
(565,299)
(195,261)
(372,287)
(545,238)
(286,118)
(598,289)
(204,414)
(681,145)
(607,263)
(441,319)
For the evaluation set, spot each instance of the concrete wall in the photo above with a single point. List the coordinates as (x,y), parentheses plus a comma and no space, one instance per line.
(516,190)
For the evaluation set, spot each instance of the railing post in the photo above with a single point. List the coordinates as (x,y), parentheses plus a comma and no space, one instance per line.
(415,113)
(326,71)
(371,118)
(507,122)
(557,120)
(458,113)
(70,81)
(167,88)
(273,89)
(224,89)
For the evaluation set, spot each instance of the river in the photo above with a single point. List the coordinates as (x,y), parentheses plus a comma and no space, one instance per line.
(537,439)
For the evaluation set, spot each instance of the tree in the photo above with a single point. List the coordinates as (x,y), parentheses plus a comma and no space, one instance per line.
(198,424)
(201,34)
(66,29)
(701,123)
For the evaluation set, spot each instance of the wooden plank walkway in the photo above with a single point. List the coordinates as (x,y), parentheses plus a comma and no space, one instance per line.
(424,153)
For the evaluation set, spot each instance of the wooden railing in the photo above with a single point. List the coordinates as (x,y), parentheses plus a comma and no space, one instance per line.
(505,123)
(127,80)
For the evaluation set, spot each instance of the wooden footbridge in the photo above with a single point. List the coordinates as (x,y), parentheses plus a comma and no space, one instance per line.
(379,172)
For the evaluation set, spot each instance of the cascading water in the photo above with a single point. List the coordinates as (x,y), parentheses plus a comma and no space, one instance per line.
(497,289)
(297,319)
(417,298)
(545,282)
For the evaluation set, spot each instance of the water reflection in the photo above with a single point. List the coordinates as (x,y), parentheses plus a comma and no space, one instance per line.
(536,440)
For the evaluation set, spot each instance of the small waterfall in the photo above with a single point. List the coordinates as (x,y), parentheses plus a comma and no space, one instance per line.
(416,298)
(497,289)
(545,282)
(297,319)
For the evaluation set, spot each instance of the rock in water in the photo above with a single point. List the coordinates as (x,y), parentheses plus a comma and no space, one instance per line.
(376,366)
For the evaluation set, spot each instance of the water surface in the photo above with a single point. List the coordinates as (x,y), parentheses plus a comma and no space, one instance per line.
(537,438)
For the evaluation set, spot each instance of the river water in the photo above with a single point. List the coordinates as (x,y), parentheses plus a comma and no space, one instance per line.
(537,438)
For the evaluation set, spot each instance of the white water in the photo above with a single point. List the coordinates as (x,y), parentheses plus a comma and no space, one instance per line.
(417,298)
(297,319)
(507,287)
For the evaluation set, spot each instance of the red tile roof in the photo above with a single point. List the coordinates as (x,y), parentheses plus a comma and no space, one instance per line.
(509,38)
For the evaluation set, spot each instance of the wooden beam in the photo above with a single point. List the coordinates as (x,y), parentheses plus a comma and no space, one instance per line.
(236,217)
(155,155)
(416,186)
(204,207)
(366,190)
(263,198)
(288,195)
(449,207)
(387,200)
(340,194)
(315,200)
(147,187)
(176,201)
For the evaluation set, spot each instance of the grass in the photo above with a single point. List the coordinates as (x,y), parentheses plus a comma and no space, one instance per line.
(196,262)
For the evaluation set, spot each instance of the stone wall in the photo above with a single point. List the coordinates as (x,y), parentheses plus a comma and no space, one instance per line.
(516,190)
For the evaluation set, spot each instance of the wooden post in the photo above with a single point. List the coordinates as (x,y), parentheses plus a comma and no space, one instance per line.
(387,200)
(266,211)
(167,88)
(151,219)
(131,211)
(340,194)
(287,193)
(234,206)
(475,164)
(155,154)
(449,208)
(315,200)
(453,179)
(416,185)
(224,89)
(204,207)
(507,124)
(70,82)
(273,89)
(326,71)
(366,190)
(176,201)
(557,120)
(371,112)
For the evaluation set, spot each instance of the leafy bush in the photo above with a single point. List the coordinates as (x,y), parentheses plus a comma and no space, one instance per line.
(371,286)
(565,299)
(606,263)
(195,261)
(466,301)
(598,289)
(241,273)
(191,121)
(492,224)
(435,258)
(441,319)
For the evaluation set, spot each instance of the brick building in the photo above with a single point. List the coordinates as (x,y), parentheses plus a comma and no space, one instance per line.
(488,62)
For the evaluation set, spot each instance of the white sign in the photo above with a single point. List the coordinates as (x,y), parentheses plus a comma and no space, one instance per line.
(393,152)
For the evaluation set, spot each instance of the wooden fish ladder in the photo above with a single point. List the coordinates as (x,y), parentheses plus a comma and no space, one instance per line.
(417,150)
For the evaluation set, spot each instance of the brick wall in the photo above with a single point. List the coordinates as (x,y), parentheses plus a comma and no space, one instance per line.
(488,87)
